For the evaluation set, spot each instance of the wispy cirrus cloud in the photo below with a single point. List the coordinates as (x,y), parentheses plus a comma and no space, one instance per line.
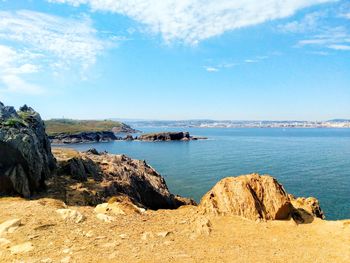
(337,38)
(192,21)
(13,68)
(327,29)
(33,41)
(307,23)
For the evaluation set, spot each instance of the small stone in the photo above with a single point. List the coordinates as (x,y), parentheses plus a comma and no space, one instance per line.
(21,248)
(89,234)
(71,215)
(123,236)
(9,226)
(67,251)
(105,218)
(163,234)
(146,235)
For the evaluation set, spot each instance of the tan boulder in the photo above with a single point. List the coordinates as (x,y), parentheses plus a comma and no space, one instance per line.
(250,196)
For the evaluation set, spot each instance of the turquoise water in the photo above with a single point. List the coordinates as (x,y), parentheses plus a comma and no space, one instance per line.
(308,162)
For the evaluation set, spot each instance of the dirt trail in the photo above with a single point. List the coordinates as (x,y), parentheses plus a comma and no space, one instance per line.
(180,235)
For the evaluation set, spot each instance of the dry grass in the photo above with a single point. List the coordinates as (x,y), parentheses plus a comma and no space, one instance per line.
(58,126)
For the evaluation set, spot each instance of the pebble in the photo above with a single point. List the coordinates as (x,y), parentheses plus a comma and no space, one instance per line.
(9,226)
(71,215)
(105,218)
(21,248)
(123,236)
(146,235)
(163,234)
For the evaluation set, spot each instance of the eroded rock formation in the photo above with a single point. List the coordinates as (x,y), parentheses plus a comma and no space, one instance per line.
(90,178)
(257,197)
(26,160)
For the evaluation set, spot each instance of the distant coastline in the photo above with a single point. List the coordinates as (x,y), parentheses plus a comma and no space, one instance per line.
(336,123)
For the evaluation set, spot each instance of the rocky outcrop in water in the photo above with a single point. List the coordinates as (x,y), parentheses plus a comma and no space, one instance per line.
(257,197)
(90,178)
(168,136)
(84,137)
(26,160)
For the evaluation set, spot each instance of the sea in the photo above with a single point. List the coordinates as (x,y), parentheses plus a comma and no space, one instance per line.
(307,162)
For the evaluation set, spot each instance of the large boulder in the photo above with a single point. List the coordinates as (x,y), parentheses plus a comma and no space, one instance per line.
(26,160)
(90,178)
(257,197)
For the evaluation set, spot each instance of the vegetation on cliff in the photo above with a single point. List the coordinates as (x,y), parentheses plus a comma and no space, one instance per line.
(69,127)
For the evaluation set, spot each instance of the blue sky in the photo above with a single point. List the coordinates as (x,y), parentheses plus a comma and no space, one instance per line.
(171,59)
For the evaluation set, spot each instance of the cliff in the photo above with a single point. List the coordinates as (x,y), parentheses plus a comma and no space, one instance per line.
(66,131)
(91,178)
(83,137)
(26,160)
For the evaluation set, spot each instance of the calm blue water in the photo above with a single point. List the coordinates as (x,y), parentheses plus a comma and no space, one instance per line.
(308,162)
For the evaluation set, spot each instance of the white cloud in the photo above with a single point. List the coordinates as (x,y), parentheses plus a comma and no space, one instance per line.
(13,67)
(211,69)
(251,61)
(34,42)
(65,38)
(194,20)
(309,22)
(336,38)
(339,47)
(15,84)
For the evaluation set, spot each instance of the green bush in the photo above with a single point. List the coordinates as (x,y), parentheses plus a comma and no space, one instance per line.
(14,122)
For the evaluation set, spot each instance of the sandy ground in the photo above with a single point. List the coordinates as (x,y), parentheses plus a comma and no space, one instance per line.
(166,236)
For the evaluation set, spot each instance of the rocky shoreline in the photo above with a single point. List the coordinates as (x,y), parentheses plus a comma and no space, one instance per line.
(83,137)
(107,136)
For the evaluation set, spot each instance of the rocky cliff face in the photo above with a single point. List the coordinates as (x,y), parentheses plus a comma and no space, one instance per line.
(84,137)
(90,178)
(258,197)
(26,160)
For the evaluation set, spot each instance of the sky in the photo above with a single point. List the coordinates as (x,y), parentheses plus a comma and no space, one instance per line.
(177,59)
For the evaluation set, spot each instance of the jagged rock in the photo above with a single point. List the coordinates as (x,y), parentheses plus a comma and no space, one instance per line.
(257,197)
(71,215)
(118,176)
(128,138)
(251,196)
(84,137)
(306,209)
(9,226)
(26,160)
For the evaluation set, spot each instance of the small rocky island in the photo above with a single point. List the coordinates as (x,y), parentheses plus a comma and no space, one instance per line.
(169,136)
(60,205)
